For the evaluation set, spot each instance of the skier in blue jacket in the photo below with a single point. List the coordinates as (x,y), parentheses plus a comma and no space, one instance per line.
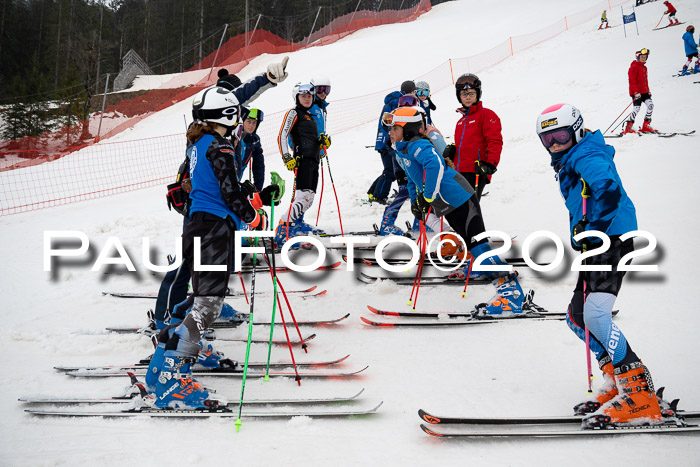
(435,187)
(380,188)
(251,149)
(587,174)
(691,51)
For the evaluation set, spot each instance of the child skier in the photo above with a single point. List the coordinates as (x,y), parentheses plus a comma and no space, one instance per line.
(423,95)
(604,20)
(252,151)
(691,51)
(379,190)
(302,157)
(639,92)
(478,141)
(582,161)
(671,12)
(435,187)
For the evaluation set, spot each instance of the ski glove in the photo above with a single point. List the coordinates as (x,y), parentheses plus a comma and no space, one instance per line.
(276,73)
(325,141)
(268,194)
(420,207)
(260,222)
(400,177)
(248,189)
(588,243)
(289,161)
(449,152)
(484,168)
(637,96)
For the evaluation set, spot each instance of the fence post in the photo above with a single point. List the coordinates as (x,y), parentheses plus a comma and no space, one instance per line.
(313,25)
(104,101)
(511,46)
(452,73)
(566,23)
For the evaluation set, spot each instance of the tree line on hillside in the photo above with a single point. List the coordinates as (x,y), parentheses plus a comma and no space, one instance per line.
(55,54)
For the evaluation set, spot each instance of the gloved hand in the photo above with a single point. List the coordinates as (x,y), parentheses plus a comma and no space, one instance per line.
(637,96)
(325,140)
(276,71)
(289,161)
(260,222)
(588,243)
(248,189)
(420,207)
(484,168)
(269,193)
(449,152)
(401,178)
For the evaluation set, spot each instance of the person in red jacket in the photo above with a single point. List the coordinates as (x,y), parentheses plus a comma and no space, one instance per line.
(671,12)
(478,141)
(639,91)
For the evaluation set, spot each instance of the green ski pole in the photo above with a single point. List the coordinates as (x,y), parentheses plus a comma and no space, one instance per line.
(275,179)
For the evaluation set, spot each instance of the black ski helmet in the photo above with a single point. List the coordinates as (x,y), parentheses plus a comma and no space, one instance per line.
(468,81)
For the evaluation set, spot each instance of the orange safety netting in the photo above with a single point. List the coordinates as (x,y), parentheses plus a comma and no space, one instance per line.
(85,170)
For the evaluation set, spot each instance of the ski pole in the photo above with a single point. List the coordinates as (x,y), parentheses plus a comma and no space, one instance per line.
(245,294)
(613,123)
(662,18)
(275,179)
(320,199)
(291,203)
(250,338)
(291,313)
(469,272)
(585,193)
(422,260)
(337,204)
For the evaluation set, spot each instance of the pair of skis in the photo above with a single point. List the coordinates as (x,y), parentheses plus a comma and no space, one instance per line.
(305,293)
(673,422)
(660,134)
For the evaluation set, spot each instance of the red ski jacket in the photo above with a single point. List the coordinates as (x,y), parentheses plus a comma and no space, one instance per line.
(671,9)
(477,137)
(638,78)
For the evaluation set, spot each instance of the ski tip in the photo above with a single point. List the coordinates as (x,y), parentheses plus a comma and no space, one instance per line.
(430,432)
(311,289)
(426,417)
(374,323)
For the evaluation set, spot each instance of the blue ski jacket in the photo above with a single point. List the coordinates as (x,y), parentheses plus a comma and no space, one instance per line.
(391,101)
(690,46)
(318,112)
(609,209)
(428,174)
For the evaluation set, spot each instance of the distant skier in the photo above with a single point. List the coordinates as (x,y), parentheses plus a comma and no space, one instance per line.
(435,187)
(303,157)
(582,161)
(604,20)
(380,188)
(671,12)
(639,91)
(691,51)
(252,151)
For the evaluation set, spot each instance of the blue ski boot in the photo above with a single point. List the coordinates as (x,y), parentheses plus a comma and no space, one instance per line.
(490,261)
(306,229)
(176,388)
(416,226)
(508,301)
(685,71)
(209,359)
(697,68)
(281,234)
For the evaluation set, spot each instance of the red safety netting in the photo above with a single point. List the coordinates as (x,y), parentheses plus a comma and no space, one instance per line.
(88,171)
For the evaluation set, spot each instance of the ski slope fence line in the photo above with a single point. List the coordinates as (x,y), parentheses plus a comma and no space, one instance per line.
(103,169)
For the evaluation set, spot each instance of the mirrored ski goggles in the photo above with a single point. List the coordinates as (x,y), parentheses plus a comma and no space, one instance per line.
(422,92)
(644,52)
(467,82)
(409,100)
(560,135)
(389,119)
(323,89)
(307,89)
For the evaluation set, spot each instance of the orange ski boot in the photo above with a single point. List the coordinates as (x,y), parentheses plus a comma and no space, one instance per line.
(636,404)
(646,128)
(628,128)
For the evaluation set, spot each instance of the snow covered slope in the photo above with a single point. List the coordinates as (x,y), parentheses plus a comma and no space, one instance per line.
(523,368)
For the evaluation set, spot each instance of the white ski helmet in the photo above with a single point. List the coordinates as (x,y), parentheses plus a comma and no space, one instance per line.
(302,88)
(322,84)
(217,105)
(560,123)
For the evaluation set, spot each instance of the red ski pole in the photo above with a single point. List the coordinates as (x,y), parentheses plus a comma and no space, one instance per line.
(337,204)
(320,199)
(613,123)
(245,294)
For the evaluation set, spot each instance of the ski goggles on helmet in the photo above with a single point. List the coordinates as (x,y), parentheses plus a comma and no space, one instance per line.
(409,100)
(389,119)
(644,52)
(255,114)
(306,89)
(560,135)
(422,92)
(467,82)
(323,89)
